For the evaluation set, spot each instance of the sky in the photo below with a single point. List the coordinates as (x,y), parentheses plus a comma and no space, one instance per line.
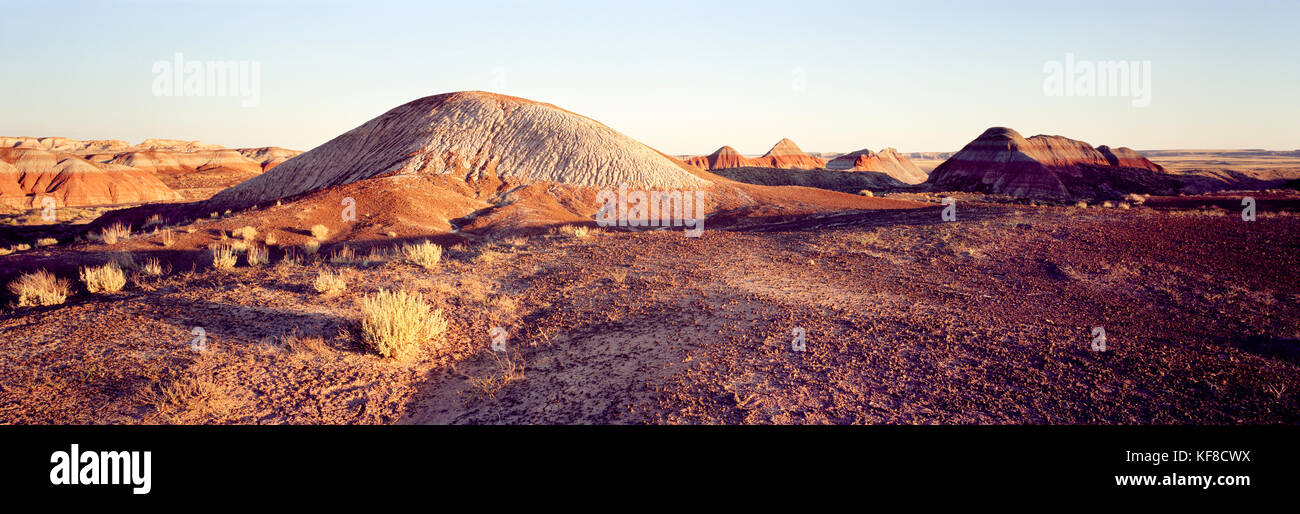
(682,77)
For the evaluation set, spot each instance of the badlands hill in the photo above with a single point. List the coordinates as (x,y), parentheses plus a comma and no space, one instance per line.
(475,162)
(471,135)
(723,158)
(785,154)
(109,172)
(887,161)
(29,175)
(1001,161)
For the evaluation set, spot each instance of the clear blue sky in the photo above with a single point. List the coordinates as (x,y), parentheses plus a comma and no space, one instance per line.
(684,77)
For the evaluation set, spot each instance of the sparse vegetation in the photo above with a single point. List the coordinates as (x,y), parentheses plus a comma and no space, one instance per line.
(509,368)
(329,283)
(187,400)
(319,231)
(376,255)
(290,258)
(40,288)
(395,323)
(581,232)
(103,279)
(156,219)
(168,238)
(47,241)
(311,247)
(152,267)
(224,257)
(246,233)
(271,240)
(115,232)
(21,247)
(257,255)
(424,254)
(343,255)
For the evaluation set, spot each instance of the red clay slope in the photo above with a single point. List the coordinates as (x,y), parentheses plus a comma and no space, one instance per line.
(31,174)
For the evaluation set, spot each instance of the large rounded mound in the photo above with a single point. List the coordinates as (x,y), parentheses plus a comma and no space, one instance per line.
(470,134)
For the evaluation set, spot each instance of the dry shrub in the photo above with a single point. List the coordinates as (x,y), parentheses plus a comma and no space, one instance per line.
(21,247)
(311,247)
(377,255)
(866,192)
(320,231)
(224,257)
(395,323)
(187,400)
(290,258)
(246,233)
(115,232)
(581,232)
(509,368)
(152,267)
(6,251)
(40,288)
(47,241)
(329,283)
(424,254)
(343,255)
(156,219)
(257,255)
(515,241)
(168,238)
(271,240)
(107,278)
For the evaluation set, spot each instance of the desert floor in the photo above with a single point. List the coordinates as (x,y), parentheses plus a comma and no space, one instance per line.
(907,319)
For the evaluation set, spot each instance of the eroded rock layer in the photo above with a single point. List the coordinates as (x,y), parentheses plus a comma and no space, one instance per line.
(471,134)
(887,161)
(1001,161)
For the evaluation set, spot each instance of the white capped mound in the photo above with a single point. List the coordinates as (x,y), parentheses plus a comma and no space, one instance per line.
(471,134)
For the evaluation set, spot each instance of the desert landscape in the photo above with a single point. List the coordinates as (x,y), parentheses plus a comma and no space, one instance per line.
(478,258)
